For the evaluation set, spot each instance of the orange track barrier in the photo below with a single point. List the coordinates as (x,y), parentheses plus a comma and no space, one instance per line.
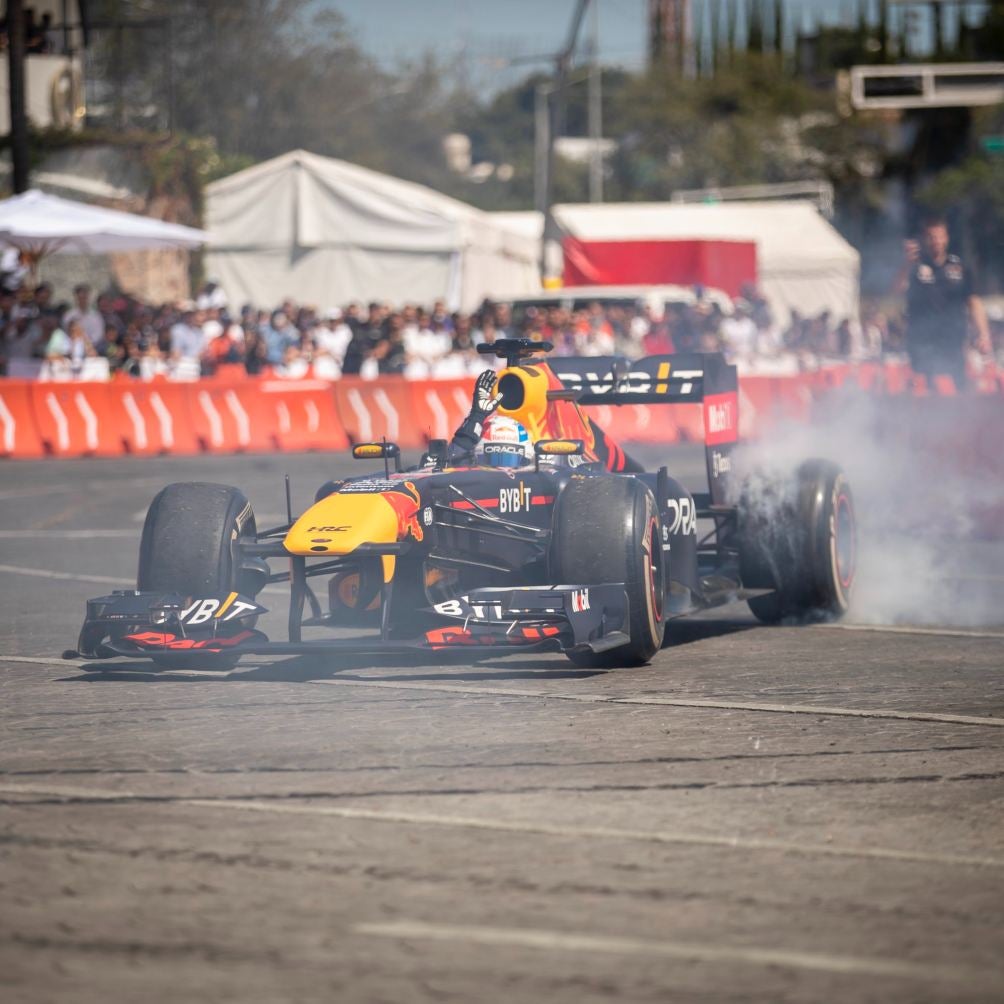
(439,406)
(372,409)
(232,413)
(233,416)
(18,431)
(75,419)
(637,423)
(153,418)
(300,414)
(690,421)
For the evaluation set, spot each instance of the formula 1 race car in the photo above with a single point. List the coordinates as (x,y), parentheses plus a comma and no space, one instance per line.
(578,549)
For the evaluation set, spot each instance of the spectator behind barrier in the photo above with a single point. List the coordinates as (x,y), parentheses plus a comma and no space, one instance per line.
(189,339)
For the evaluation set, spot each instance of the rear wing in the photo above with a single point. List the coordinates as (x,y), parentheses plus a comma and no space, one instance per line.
(687,378)
(675,379)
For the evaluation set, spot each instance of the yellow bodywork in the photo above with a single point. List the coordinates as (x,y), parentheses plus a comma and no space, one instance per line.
(338,524)
(532,412)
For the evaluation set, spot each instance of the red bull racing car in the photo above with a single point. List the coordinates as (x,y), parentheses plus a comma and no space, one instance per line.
(576,548)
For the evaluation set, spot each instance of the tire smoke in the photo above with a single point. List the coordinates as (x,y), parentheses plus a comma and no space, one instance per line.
(928,481)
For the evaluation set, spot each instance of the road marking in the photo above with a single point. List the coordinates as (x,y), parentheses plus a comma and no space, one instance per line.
(65,534)
(511,826)
(902,629)
(784,709)
(672,702)
(44,573)
(52,661)
(88,488)
(562,941)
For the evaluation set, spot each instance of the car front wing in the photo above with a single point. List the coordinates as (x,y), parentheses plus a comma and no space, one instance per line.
(491,620)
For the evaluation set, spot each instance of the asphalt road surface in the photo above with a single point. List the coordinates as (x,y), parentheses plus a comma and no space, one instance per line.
(762,814)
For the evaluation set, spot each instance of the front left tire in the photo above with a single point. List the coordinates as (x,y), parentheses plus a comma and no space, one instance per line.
(189,546)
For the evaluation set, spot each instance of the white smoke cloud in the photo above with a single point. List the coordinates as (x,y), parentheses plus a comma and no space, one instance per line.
(929,498)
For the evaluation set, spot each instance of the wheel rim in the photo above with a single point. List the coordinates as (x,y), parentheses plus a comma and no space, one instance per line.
(844,541)
(655,567)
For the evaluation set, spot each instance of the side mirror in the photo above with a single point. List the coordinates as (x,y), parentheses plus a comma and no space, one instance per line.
(558,448)
(377,451)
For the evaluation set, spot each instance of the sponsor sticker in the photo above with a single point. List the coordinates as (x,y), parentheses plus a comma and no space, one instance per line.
(164,639)
(721,463)
(509,449)
(209,608)
(682,516)
(370,486)
(721,418)
(513,500)
(580,600)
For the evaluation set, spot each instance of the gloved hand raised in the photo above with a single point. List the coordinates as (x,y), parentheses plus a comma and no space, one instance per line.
(485,399)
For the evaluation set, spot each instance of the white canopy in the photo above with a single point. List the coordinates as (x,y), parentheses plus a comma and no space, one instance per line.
(803,262)
(327,232)
(46,224)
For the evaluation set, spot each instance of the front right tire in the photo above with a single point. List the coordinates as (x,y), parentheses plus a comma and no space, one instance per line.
(607,529)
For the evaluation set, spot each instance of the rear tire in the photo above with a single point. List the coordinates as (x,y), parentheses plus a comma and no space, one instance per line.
(800,540)
(607,529)
(189,547)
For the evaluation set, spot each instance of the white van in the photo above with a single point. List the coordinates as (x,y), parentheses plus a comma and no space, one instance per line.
(659,298)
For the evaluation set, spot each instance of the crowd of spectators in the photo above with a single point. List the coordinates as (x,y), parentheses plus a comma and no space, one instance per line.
(192,338)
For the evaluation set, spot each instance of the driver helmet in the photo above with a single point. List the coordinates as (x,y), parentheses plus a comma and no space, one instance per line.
(505,443)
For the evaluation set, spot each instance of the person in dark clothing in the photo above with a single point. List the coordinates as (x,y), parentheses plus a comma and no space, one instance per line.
(940,301)
(365,340)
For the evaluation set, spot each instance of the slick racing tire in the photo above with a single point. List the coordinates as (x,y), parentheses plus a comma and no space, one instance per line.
(799,539)
(607,529)
(189,547)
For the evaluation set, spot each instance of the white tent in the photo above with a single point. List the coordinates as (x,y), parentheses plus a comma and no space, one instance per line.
(326,232)
(802,261)
(44,224)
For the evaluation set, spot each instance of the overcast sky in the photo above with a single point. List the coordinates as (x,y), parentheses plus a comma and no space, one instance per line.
(490,33)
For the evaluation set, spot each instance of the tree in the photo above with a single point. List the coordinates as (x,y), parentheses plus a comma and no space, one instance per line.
(266,76)
(740,126)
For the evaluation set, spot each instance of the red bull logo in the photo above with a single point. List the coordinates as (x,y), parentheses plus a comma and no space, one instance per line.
(406,502)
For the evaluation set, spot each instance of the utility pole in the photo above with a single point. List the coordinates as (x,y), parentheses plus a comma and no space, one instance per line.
(18,119)
(170,72)
(595,112)
(551,244)
(541,144)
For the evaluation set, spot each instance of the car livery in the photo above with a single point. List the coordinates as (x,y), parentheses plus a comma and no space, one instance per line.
(581,550)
